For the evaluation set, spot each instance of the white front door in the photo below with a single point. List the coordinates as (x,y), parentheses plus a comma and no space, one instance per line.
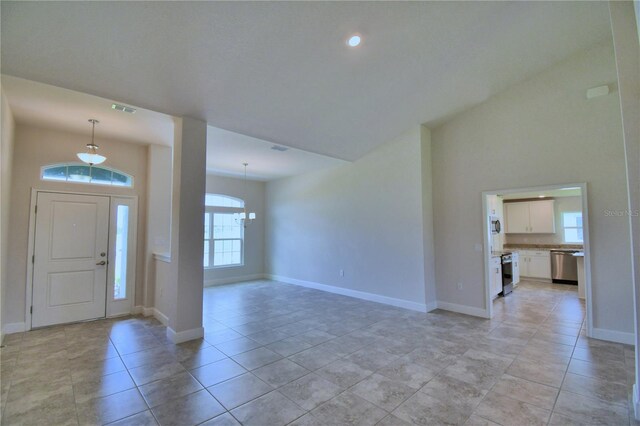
(70,258)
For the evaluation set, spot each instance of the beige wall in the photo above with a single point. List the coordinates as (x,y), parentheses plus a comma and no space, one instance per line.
(427,216)
(35,147)
(159,168)
(627,48)
(6,157)
(254,234)
(561,205)
(541,132)
(365,218)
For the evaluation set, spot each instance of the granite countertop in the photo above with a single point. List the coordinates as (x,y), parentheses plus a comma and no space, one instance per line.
(544,246)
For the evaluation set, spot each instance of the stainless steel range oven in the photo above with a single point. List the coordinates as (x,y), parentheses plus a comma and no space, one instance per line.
(507,274)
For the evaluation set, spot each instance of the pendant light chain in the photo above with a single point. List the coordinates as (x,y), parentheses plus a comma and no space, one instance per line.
(245,218)
(245,188)
(91,156)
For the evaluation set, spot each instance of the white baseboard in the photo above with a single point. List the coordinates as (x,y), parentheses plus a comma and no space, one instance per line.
(613,336)
(231,280)
(150,311)
(372,297)
(160,317)
(636,402)
(184,336)
(432,306)
(14,327)
(463,309)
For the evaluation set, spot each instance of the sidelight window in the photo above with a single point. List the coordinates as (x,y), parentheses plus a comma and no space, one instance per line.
(122,244)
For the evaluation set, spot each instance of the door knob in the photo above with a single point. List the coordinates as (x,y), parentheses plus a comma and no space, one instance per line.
(101,263)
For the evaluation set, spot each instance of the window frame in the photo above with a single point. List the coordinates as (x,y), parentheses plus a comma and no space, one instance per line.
(565,227)
(227,198)
(89,182)
(226,210)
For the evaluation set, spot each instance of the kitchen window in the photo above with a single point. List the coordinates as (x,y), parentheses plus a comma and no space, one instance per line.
(223,236)
(572,227)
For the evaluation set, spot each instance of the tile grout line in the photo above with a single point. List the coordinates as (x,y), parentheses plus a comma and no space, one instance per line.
(366,328)
(553,409)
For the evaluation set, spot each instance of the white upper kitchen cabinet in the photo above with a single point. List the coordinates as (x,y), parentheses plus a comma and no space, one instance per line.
(542,217)
(494,205)
(530,217)
(517,218)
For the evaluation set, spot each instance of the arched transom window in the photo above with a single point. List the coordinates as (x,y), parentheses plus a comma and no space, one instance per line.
(82,173)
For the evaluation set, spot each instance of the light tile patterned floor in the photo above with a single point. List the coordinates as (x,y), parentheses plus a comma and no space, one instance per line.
(277,354)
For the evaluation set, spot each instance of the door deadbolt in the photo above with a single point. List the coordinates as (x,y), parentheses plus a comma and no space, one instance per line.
(103,254)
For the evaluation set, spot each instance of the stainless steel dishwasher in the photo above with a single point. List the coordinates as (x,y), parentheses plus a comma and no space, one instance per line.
(564,267)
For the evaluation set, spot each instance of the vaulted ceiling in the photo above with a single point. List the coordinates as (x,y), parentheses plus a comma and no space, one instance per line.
(281,71)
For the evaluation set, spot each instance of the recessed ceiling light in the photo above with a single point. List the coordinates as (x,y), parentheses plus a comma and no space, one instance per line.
(354,40)
(540,196)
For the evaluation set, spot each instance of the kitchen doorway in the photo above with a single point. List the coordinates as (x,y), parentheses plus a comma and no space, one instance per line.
(525,231)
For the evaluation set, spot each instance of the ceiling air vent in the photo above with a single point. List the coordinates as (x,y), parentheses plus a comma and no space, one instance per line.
(279,148)
(123,108)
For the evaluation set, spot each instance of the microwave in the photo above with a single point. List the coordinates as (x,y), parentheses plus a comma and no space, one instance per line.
(494,225)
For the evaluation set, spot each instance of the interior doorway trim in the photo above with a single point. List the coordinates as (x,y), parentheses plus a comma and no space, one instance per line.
(31,246)
(586,244)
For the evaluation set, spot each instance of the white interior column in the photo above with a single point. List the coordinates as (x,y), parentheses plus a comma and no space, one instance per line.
(185,288)
(627,49)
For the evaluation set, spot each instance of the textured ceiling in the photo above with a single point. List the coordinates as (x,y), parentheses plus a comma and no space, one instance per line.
(227,151)
(42,105)
(280,71)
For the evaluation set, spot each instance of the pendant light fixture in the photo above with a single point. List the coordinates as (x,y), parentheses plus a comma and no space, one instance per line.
(242,218)
(92,157)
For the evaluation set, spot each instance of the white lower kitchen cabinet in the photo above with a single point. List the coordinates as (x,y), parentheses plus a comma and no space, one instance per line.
(515,267)
(495,275)
(535,264)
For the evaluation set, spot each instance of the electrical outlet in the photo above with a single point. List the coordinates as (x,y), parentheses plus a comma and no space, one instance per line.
(342,272)
(459,286)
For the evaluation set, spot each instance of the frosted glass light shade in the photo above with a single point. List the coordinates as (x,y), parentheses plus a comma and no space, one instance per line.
(252,216)
(91,158)
(243,215)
